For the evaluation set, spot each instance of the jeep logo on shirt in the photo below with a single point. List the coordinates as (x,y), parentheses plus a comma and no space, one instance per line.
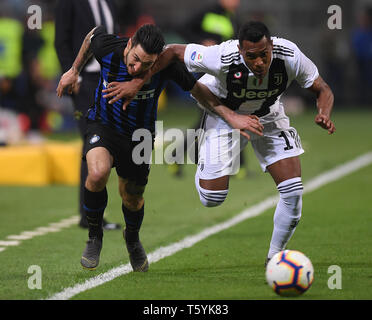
(255,94)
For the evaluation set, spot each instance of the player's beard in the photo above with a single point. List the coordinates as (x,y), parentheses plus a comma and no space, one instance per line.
(126,61)
(126,58)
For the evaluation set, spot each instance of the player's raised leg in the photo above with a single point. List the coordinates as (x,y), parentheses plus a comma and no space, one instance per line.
(212,192)
(99,163)
(287,176)
(133,211)
(218,158)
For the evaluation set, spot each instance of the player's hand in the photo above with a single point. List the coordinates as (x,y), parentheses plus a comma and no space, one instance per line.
(245,122)
(326,123)
(69,81)
(123,90)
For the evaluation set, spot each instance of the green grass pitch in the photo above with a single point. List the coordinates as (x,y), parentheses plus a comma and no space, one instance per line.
(335,228)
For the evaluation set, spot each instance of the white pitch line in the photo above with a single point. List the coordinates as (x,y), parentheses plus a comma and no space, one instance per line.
(163,252)
(16,239)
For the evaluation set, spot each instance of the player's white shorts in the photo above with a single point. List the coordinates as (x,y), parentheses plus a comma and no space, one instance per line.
(220,146)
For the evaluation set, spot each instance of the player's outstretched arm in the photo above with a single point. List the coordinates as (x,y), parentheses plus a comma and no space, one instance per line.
(171,53)
(237,121)
(128,90)
(69,79)
(324,104)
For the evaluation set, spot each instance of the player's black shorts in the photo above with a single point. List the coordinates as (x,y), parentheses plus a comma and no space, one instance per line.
(120,147)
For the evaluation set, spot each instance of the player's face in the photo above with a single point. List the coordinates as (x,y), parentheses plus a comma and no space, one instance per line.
(257,56)
(138,61)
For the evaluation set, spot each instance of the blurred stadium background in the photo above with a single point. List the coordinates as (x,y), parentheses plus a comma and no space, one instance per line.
(28,77)
(35,123)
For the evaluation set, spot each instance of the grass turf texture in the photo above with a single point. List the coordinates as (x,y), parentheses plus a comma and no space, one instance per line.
(229,265)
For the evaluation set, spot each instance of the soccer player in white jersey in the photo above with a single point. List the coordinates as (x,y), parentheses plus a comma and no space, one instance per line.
(249,75)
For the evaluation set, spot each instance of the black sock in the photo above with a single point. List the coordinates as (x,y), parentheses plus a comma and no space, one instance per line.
(133,222)
(94,206)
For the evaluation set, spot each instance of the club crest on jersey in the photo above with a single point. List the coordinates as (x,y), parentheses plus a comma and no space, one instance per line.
(94,139)
(278,78)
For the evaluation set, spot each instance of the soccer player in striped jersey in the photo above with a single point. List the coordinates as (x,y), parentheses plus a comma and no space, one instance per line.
(110,128)
(249,75)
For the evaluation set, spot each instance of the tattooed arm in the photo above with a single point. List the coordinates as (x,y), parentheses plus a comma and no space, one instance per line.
(69,79)
(128,90)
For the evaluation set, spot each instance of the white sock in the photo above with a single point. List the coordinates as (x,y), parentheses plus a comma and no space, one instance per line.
(210,198)
(287,214)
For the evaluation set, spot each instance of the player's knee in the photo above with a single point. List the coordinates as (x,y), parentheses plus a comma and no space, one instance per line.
(133,203)
(212,198)
(132,196)
(97,178)
(291,191)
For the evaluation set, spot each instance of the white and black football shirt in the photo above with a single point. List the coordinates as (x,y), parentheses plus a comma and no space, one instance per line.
(229,78)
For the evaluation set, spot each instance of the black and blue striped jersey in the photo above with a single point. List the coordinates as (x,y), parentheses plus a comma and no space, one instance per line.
(142,111)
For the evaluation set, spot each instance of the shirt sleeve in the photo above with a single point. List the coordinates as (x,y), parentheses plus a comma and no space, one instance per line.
(178,73)
(305,70)
(102,43)
(200,58)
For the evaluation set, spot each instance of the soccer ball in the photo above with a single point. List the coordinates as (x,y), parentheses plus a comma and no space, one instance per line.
(289,273)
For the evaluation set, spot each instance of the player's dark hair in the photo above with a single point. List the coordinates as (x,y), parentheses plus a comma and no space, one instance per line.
(253,31)
(150,38)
